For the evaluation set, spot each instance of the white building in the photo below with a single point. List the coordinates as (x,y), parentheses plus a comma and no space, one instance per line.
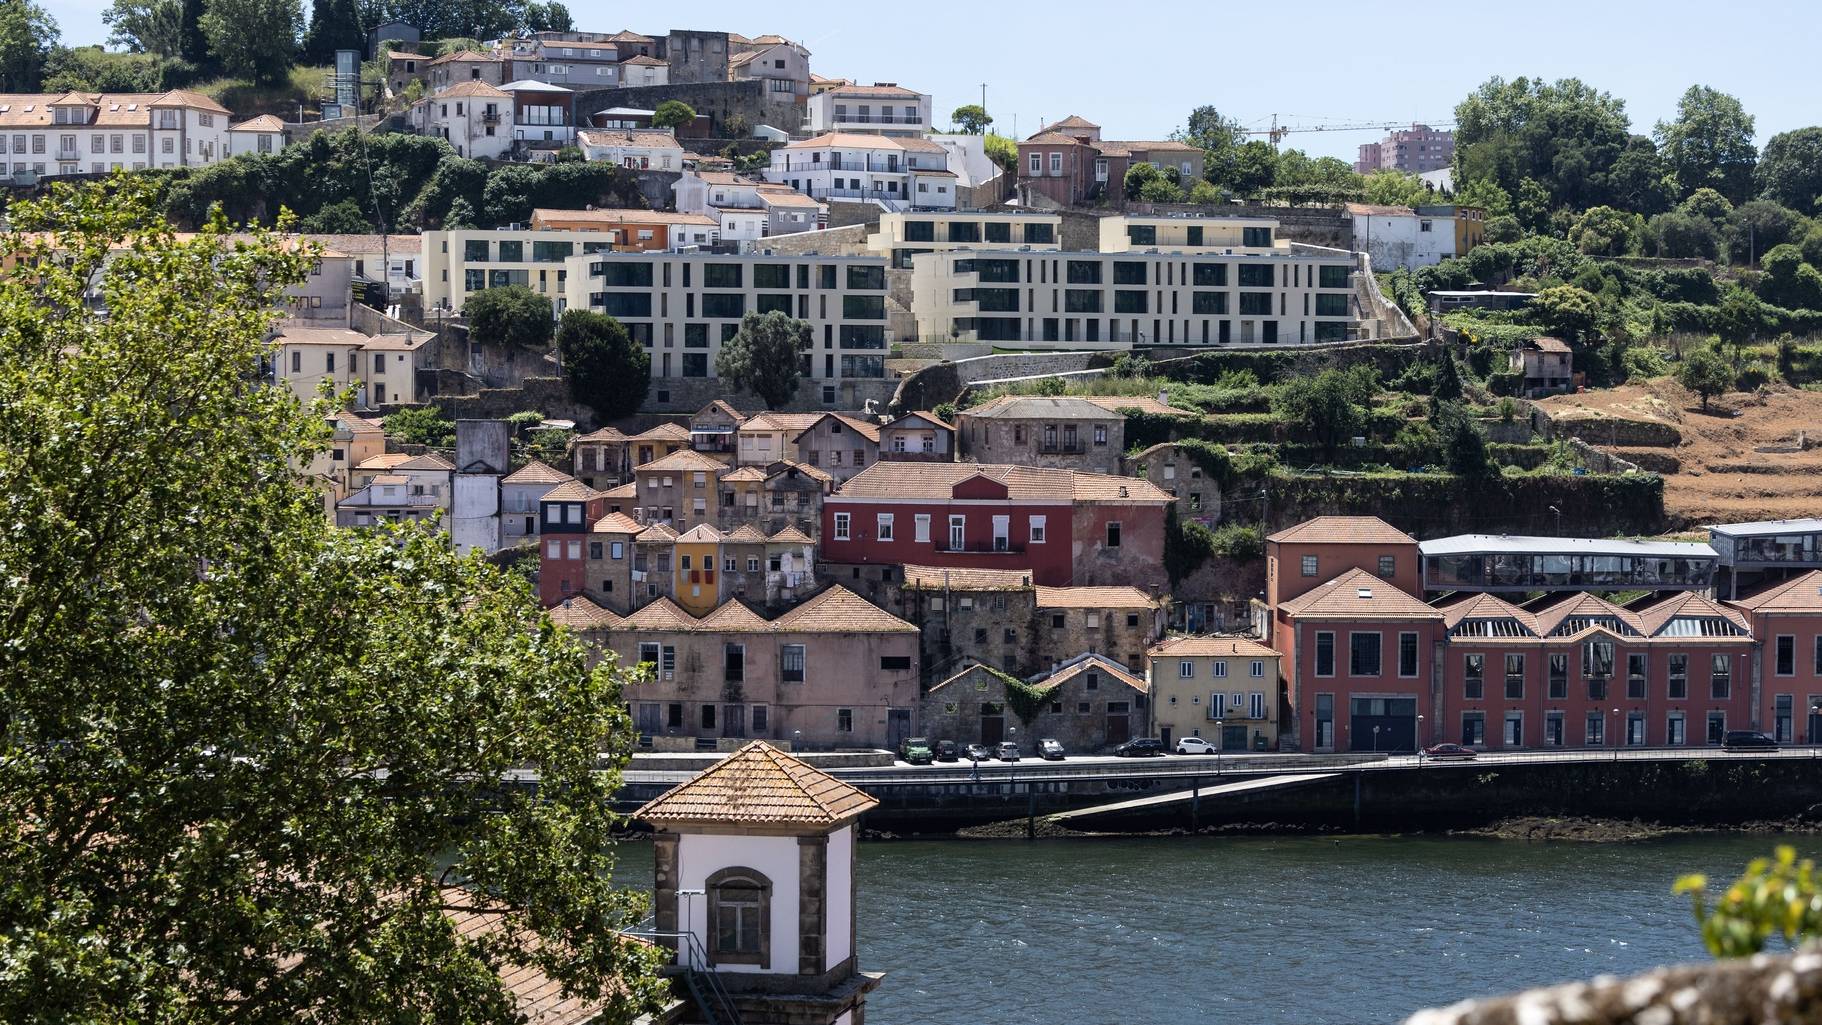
(895,173)
(542,114)
(378,369)
(782,64)
(483,455)
(259,136)
(472,116)
(748,210)
(884,108)
(755,883)
(968,159)
(1398,236)
(647,149)
(75,133)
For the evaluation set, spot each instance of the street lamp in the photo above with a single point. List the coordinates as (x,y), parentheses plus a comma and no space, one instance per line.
(689,927)
(1375,740)
(1218,724)
(1420,740)
(1616,729)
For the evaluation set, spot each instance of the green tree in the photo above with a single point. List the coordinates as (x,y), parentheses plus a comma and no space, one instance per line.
(1532,207)
(1219,138)
(334,25)
(1639,182)
(1329,406)
(510,315)
(1140,175)
(1002,151)
(254,39)
(1790,170)
(971,119)
(1565,135)
(341,218)
(765,356)
(1463,443)
(1682,234)
(1705,372)
(92,69)
(607,370)
(1395,188)
(195,42)
(1486,195)
(421,425)
(1709,144)
(1255,166)
(550,16)
(1604,231)
(1447,384)
(1788,281)
(1568,312)
(250,760)
(1756,227)
(673,114)
(1504,228)
(1778,896)
(27,36)
(146,26)
(1707,204)
(1202,193)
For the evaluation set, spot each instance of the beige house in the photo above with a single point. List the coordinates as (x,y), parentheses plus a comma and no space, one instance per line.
(842,446)
(1224,689)
(834,672)
(377,369)
(680,490)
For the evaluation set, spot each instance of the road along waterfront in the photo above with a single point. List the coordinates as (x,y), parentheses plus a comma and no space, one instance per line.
(1301,930)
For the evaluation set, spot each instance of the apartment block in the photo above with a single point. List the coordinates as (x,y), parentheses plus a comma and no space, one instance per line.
(1223,689)
(902,236)
(1412,150)
(459,262)
(883,108)
(1113,300)
(683,306)
(896,172)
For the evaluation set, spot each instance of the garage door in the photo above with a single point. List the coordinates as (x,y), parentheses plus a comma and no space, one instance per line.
(1383,724)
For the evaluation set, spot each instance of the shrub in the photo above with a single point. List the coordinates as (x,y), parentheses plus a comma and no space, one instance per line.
(1645,361)
(423,425)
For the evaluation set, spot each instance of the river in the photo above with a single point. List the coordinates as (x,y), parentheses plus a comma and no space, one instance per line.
(1298,930)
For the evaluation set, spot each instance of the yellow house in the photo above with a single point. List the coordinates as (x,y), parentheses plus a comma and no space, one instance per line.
(1222,689)
(697,558)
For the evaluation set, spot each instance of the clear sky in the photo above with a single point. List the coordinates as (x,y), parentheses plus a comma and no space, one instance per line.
(1138,69)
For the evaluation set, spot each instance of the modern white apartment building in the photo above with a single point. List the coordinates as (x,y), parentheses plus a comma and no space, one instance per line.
(460,262)
(683,306)
(74,133)
(883,108)
(902,236)
(896,173)
(1157,281)
(748,210)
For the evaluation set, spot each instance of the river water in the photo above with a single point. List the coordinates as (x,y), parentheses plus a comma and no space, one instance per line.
(1297,930)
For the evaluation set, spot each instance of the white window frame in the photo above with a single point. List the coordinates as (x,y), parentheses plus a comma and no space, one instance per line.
(920,525)
(1039,528)
(1220,669)
(1186,670)
(842,523)
(882,527)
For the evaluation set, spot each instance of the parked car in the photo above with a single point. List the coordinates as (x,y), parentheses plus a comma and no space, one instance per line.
(1747,740)
(946,751)
(1144,747)
(1009,751)
(1448,751)
(978,753)
(1050,749)
(1195,746)
(916,751)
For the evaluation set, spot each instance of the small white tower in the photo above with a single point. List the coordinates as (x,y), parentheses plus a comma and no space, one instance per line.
(755,890)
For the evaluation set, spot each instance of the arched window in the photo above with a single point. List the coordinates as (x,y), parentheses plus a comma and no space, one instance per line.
(740,917)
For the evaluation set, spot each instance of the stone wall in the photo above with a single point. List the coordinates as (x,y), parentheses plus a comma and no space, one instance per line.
(547,395)
(945,382)
(719,100)
(985,196)
(843,214)
(1768,988)
(847,240)
(689,394)
(655,188)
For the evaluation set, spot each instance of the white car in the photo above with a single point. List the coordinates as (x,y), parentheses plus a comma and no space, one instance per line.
(1195,746)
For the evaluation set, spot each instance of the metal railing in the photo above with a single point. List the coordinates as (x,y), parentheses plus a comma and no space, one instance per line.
(704,983)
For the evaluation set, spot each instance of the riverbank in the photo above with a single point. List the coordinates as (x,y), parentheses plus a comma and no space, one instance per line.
(1535,828)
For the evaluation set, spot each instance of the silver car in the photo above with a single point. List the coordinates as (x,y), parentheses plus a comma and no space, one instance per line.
(1009,751)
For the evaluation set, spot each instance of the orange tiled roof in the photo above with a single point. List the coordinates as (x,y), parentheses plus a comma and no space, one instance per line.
(617,523)
(746,534)
(864,428)
(581,613)
(839,610)
(657,532)
(937,578)
(666,431)
(1358,594)
(1344,530)
(790,535)
(1094,598)
(1094,663)
(571,490)
(536,472)
(1801,594)
(895,479)
(1689,605)
(1583,606)
(1174,647)
(1486,606)
(760,784)
(701,533)
(683,460)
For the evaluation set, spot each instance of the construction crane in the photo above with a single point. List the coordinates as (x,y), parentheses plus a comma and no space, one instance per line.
(1277,131)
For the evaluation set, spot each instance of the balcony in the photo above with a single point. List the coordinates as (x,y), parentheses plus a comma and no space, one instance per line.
(69,154)
(997,546)
(490,117)
(874,166)
(878,119)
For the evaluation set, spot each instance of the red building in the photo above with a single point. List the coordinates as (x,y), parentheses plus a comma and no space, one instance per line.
(1316,551)
(1584,672)
(1787,620)
(564,515)
(1064,527)
(1358,665)
(1068,163)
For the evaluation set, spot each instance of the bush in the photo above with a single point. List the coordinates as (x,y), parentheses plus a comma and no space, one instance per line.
(509,315)
(1642,362)
(423,425)
(1755,375)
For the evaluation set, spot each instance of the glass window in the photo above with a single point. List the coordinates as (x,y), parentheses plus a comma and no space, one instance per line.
(1325,653)
(1255,275)
(624,274)
(723,305)
(1084,272)
(1363,654)
(1129,272)
(1208,275)
(1474,676)
(771,275)
(870,278)
(1332,276)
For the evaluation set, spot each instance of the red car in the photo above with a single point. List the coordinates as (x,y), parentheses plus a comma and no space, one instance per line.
(1443,751)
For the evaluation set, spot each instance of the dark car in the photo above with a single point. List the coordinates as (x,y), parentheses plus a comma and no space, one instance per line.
(1144,747)
(978,753)
(1747,740)
(916,751)
(946,751)
(1050,749)
(1448,751)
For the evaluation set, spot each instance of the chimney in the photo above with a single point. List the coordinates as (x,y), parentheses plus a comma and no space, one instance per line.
(1164,396)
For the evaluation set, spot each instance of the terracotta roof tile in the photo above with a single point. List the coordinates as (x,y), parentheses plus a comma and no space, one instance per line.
(683,460)
(746,534)
(1094,598)
(701,533)
(536,472)
(630,138)
(629,490)
(790,535)
(1689,605)
(760,785)
(617,523)
(1585,606)
(1358,594)
(581,613)
(1802,594)
(1344,530)
(896,479)
(661,615)
(603,434)
(839,610)
(541,218)
(733,617)
(937,578)
(666,431)
(262,123)
(744,475)
(657,532)
(571,490)
(864,428)
(1094,663)
(1487,606)
(1175,647)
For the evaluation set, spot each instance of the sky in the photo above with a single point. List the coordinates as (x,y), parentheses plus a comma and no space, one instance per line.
(1311,62)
